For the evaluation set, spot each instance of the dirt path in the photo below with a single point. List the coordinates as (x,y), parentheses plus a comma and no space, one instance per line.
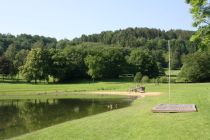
(127,93)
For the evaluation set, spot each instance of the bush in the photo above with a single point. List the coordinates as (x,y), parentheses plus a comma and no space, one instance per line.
(163,79)
(173,80)
(145,79)
(155,80)
(182,80)
(138,77)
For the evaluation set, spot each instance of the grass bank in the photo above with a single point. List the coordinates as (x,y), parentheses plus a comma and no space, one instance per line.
(30,91)
(137,121)
(84,90)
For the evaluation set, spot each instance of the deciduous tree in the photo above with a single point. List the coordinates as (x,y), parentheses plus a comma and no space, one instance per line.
(200,10)
(95,66)
(144,62)
(37,65)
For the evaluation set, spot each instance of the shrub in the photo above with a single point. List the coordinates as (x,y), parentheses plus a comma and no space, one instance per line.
(138,77)
(163,79)
(145,79)
(155,80)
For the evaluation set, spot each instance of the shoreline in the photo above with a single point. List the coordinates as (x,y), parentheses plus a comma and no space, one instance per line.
(127,93)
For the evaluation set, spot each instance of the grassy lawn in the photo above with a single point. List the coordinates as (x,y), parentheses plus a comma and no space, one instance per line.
(135,122)
(29,91)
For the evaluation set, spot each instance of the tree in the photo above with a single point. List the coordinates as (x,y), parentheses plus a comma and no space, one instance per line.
(10,55)
(11,52)
(145,62)
(58,66)
(160,69)
(20,59)
(1,50)
(5,66)
(138,77)
(176,60)
(196,68)
(95,66)
(75,59)
(178,49)
(114,62)
(37,65)
(200,10)
(38,44)
(62,44)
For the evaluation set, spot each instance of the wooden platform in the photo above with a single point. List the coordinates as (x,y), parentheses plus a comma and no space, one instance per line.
(174,108)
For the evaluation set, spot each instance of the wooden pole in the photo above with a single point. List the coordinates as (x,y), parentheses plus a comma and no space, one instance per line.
(169,71)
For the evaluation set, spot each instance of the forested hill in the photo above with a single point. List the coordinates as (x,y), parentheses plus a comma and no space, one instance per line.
(130,37)
(135,37)
(24,41)
(104,55)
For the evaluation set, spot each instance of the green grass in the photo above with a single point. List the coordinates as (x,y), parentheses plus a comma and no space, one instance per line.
(30,91)
(135,122)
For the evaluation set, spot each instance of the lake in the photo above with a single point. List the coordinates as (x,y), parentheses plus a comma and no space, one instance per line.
(18,117)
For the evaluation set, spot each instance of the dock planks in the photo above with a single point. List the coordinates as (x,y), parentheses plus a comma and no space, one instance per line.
(174,108)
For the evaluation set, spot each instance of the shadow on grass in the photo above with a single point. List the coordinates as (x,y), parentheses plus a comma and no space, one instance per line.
(90,81)
(12,81)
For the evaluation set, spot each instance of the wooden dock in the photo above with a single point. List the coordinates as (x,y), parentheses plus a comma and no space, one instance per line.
(174,108)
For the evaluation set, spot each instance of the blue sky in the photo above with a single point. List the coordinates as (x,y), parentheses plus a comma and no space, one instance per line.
(72,18)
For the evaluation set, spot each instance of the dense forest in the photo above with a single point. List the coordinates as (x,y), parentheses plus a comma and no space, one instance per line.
(106,55)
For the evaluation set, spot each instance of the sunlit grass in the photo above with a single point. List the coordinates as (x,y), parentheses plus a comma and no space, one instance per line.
(137,121)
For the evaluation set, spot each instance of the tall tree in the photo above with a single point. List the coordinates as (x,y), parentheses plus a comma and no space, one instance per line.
(114,62)
(20,59)
(58,65)
(10,55)
(11,52)
(196,68)
(37,65)
(145,62)
(5,66)
(75,59)
(200,10)
(95,66)
(1,50)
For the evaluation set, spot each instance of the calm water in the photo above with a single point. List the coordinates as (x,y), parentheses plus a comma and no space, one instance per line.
(22,116)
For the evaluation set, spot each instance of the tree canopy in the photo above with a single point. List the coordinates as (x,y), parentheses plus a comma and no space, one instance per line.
(36,66)
(200,10)
(144,62)
(106,55)
(196,68)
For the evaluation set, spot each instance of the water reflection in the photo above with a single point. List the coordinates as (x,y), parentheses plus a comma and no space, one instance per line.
(22,116)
